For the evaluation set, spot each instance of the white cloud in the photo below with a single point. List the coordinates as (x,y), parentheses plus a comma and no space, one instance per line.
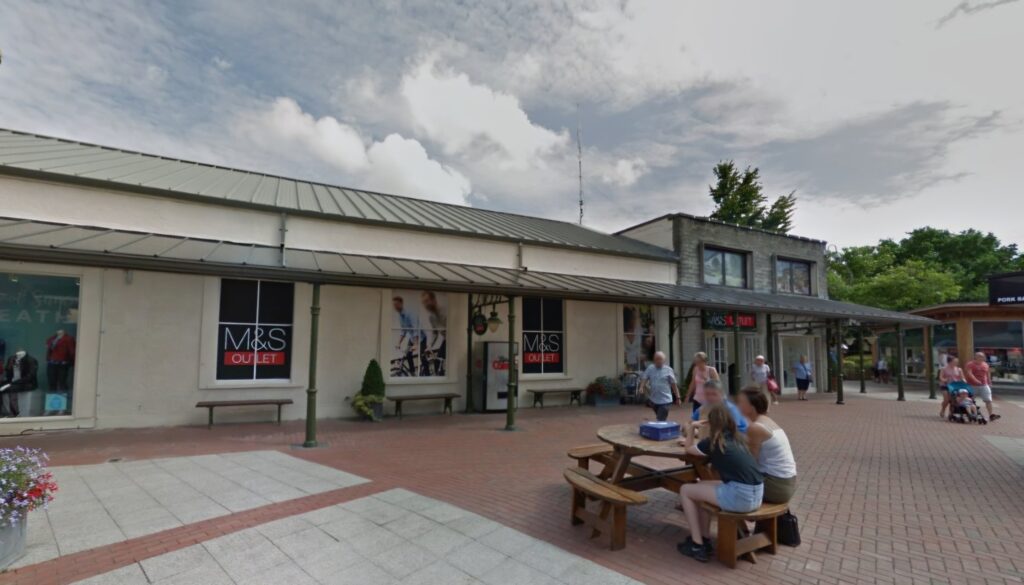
(626,172)
(221,63)
(394,165)
(468,118)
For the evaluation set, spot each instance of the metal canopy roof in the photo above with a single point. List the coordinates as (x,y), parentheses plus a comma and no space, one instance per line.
(63,160)
(37,241)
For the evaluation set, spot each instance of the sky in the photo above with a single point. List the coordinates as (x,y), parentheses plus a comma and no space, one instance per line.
(882,116)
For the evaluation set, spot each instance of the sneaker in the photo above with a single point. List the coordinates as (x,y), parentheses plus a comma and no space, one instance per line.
(693,550)
(994,417)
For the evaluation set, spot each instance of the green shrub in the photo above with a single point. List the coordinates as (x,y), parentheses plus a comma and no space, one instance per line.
(363,404)
(373,380)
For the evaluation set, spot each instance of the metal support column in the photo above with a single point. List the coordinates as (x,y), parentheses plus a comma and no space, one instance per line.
(769,346)
(513,368)
(929,360)
(899,363)
(860,348)
(734,375)
(671,341)
(469,354)
(839,363)
(314,334)
(828,359)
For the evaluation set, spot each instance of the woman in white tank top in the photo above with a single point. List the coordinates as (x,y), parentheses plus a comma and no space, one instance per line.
(770,447)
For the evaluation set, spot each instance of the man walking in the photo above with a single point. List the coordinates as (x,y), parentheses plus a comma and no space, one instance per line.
(980,378)
(664,391)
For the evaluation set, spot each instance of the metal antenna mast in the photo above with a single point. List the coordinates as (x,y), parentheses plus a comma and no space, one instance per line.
(579,156)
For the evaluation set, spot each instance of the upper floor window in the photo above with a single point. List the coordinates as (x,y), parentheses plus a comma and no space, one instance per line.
(725,268)
(793,276)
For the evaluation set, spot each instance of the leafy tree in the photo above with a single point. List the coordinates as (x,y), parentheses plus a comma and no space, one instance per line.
(739,200)
(905,286)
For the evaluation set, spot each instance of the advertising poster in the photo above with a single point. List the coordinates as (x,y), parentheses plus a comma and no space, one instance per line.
(638,333)
(254,337)
(418,334)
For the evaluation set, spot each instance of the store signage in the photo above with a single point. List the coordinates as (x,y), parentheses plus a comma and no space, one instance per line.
(723,320)
(542,348)
(254,345)
(479,324)
(1006,290)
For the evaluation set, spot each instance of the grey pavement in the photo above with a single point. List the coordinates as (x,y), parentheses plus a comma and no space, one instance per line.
(395,537)
(112,502)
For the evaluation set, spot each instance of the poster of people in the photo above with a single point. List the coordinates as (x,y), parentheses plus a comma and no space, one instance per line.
(638,336)
(419,331)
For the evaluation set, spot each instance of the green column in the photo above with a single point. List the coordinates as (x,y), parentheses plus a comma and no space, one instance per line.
(829,387)
(513,368)
(899,363)
(769,345)
(469,354)
(860,348)
(314,334)
(839,363)
(929,360)
(734,378)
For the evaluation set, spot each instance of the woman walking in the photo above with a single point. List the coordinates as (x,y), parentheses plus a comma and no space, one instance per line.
(950,373)
(802,372)
(702,372)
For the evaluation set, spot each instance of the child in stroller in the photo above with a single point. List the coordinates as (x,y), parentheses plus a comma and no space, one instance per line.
(963,409)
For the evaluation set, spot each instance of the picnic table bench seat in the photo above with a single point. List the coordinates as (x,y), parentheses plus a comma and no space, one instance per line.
(574,395)
(600,452)
(614,501)
(211,404)
(447,397)
(735,542)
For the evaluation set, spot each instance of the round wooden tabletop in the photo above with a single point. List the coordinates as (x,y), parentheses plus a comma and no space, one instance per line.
(628,437)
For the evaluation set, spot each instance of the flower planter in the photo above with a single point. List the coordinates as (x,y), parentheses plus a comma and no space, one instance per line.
(378,411)
(12,543)
(600,400)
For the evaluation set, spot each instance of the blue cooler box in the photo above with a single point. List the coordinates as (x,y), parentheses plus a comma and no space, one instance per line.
(659,431)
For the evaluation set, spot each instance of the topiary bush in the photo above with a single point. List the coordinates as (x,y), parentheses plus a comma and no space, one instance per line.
(373,380)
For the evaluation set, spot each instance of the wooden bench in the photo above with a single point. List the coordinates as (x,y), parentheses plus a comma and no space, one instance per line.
(574,394)
(734,541)
(600,452)
(398,400)
(614,500)
(211,404)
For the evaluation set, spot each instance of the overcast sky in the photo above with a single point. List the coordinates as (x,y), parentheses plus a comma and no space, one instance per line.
(883,116)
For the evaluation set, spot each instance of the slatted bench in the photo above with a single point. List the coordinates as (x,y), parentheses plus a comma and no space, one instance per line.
(733,539)
(600,452)
(398,400)
(211,404)
(574,395)
(614,500)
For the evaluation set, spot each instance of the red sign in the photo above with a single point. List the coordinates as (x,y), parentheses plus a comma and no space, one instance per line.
(248,358)
(499,365)
(541,358)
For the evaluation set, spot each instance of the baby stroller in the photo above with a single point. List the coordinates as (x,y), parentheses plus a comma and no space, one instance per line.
(959,413)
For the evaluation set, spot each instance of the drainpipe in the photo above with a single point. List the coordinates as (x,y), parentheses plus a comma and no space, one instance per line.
(284,239)
(314,330)
(899,363)
(513,368)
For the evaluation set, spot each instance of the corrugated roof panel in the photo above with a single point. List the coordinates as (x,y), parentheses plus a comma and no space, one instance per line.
(371,206)
(264,256)
(203,182)
(344,202)
(244,189)
(266,192)
(13,230)
(306,199)
(39,159)
(325,200)
(111,241)
(83,164)
(138,165)
(392,268)
(361,265)
(194,250)
(165,169)
(286,195)
(330,262)
(301,260)
(172,180)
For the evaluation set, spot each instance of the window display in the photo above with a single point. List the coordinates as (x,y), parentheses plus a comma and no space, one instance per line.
(793,276)
(638,337)
(418,334)
(38,326)
(543,336)
(725,268)
(254,336)
(1002,342)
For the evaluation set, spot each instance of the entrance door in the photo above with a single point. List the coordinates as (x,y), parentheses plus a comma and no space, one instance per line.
(718,356)
(751,349)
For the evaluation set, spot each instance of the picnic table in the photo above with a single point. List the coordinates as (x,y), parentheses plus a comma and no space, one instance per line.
(627,444)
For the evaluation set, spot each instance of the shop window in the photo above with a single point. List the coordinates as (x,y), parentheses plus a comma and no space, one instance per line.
(254,336)
(1002,342)
(793,276)
(639,335)
(418,334)
(725,268)
(38,330)
(543,336)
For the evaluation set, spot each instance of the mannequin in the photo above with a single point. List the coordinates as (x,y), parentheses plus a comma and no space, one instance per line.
(20,376)
(60,357)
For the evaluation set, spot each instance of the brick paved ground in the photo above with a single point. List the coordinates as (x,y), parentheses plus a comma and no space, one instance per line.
(889,493)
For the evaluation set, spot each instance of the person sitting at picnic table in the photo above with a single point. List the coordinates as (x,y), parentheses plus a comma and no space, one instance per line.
(770,447)
(660,379)
(740,488)
(713,395)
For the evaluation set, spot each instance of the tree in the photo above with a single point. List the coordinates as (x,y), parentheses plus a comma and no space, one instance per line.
(739,200)
(911,285)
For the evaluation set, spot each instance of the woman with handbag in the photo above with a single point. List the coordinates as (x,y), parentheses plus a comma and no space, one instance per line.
(802,371)
(761,374)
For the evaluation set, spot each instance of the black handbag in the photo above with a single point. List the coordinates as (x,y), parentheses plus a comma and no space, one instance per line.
(789,529)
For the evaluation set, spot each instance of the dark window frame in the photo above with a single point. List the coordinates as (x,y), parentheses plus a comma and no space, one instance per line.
(280,339)
(746,255)
(812,289)
(544,330)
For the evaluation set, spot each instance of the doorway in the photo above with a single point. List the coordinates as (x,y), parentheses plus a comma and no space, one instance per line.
(792,347)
